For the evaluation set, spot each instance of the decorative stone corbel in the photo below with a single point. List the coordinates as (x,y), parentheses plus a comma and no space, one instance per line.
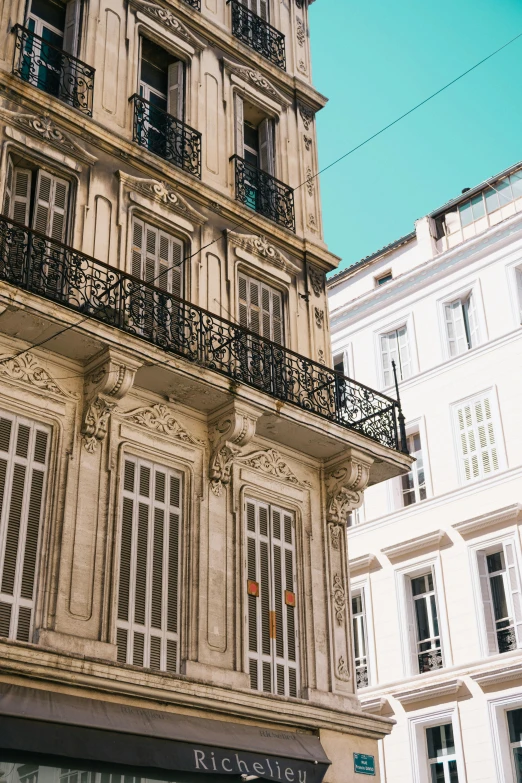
(345,481)
(108,378)
(229,432)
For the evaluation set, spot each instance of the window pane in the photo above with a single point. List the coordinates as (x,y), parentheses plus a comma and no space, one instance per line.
(453,774)
(495,562)
(478,207)
(339,363)
(437,773)
(434,615)
(421,613)
(440,741)
(516,184)
(429,578)
(466,214)
(504,192)
(491,200)
(515,725)
(418,585)
(517,753)
(498,594)
(356,604)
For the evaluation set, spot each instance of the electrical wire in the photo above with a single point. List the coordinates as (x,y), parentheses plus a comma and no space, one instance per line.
(248,221)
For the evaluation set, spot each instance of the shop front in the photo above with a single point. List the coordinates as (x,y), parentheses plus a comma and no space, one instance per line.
(50,737)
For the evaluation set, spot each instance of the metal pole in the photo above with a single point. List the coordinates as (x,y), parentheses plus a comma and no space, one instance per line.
(402,422)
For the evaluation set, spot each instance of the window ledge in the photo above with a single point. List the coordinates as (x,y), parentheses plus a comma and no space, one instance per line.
(413,545)
(507,673)
(475,525)
(376,705)
(363,564)
(429,692)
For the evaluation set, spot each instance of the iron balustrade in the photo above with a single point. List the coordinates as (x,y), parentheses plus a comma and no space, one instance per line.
(34,262)
(262,192)
(196,4)
(430,660)
(166,136)
(258,34)
(52,70)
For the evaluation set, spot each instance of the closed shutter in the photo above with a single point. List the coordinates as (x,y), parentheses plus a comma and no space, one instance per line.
(17,193)
(514,588)
(260,309)
(176,73)
(263,10)
(266,146)
(147,627)
(137,248)
(487,604)
(239,125)
(455,328)
(51,201)
(24,447)
(72,27)
(157,257)
(477,438)
(271,611)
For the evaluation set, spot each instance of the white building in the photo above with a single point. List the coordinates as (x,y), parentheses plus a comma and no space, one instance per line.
(436,556)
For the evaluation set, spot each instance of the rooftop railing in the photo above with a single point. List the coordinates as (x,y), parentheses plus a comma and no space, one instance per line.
(166,136)
(34,262)
(52,70)
(258,34)
(262,192)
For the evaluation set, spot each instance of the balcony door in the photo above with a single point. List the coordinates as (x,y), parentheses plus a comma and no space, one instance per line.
(261,311)
(258,7)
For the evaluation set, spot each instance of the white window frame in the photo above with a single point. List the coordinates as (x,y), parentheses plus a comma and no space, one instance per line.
(489,546)
(473,289)
(395,491)
(363,586)
(408,323)
(514,282)
(492,394)
(498,709)
(406,617)
(417,726)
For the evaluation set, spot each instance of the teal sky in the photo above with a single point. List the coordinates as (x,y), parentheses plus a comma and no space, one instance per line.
(374,60)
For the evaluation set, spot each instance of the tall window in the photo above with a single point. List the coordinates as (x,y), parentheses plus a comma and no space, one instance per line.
(44,207)
(426,622)
(395,347)
(413,484)
(24,459)
(477,437)
(147,628)
(161,79)
(515,740)
(261,309)
(271,593)
(500,591)
(157,257)
(254,138)
(259,7)
(442,759)
(461,325)
(360,645)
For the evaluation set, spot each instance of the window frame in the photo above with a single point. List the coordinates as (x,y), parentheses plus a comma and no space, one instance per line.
(363,586)
(407,322)
(471,289)
(492,395)
(417,727)
(262,282)
(498,709)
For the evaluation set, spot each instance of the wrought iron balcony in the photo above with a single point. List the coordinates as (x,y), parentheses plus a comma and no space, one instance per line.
(34,262)
(196,4)
(52,70)
(166,136)
(430,660)
(265,194)
(258,34)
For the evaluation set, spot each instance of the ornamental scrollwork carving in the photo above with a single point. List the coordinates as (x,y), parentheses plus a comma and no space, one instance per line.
(336,533)
(27,368)
(310,185)
(316,280)
(96,421)
(307,142)
(343,672)
(261,246)
(272,463)
(233,430)
(163,193)
(45,128)
(168,20)
(319,317)
(307,116)
(339,597)
(300,32)
(344,485)
(161,419)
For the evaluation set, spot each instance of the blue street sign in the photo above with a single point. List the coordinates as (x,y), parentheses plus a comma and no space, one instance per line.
(363,764)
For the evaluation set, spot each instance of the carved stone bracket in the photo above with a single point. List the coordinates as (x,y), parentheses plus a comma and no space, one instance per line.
(317,280)
(345,481)
(108,378)
(229,433)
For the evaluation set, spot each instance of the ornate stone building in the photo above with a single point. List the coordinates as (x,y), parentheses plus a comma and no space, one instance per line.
(177,460)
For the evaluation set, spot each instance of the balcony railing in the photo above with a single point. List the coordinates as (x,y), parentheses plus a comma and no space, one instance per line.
(258,34)
(166,136)
(430,659)
(265,194)
(32,261)
(196,4)
(52,70)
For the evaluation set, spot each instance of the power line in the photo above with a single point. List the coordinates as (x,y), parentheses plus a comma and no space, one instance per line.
(248,221)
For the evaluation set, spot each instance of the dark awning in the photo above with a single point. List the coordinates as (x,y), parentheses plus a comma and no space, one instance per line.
(38,721)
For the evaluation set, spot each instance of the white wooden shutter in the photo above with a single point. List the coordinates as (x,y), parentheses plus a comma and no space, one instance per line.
(243,301)
(389,354)
(260,309)
(266,146)
(487,604)
(277,318)
(176,264)
(176,77)
(17,193)
(472,321)
(518,274)
(283,569)
(8,188)
(50,213)
(455,329)
(477,438)
(138,230)
(147,627)
(23,467)
(72,27)
(263,9)
(239,127)
(404,352)
(514,588)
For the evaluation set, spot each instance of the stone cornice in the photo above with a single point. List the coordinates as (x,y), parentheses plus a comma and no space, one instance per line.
(77,673)
(505,674)
(429,692)
(362,564)
(500,516)
(413,545)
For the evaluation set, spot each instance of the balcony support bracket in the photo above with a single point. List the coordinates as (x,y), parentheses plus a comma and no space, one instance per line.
(230,431)
(345,480)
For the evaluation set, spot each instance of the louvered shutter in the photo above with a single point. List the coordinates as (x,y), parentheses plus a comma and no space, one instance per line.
(263,10)
(21,195)
(176,263)
(404,353)
(72,27)
(176,72)
(277,318)
(254,309)
(471,310)
(266,146)
(243,301)
(266,312)
(50,214)
(514,588)
(487,604)
(477,438)
(23,467)
(239,125)
(518,274)
(8,188)
(455,329)
(137,247)
(147,632)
